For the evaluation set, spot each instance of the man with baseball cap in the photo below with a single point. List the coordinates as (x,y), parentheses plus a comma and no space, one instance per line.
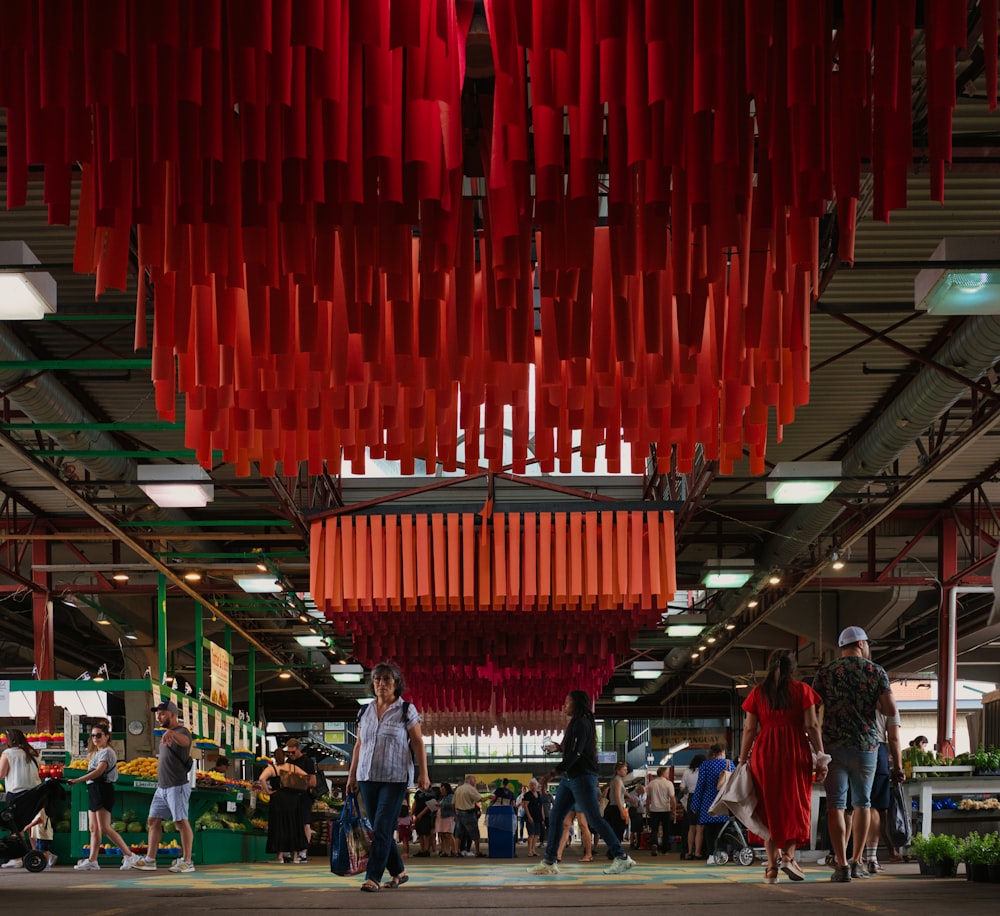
(173,791)
(853,689)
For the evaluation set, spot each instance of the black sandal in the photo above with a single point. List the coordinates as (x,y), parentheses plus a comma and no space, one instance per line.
(370,887)
(398,881)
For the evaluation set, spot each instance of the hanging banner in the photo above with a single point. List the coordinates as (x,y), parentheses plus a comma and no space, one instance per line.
(220,675)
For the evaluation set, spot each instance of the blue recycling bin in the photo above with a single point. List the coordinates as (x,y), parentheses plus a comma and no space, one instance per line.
(501,823)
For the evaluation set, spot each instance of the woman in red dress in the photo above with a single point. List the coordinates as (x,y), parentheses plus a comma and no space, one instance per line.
(780,726)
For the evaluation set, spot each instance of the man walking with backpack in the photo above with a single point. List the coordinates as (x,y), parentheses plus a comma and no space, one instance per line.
(173,791)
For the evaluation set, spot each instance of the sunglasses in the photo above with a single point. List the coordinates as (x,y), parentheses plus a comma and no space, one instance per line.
(97,734)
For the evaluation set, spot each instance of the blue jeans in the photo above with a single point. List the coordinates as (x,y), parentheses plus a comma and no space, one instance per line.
(579,791)
(382,801)
(853,767)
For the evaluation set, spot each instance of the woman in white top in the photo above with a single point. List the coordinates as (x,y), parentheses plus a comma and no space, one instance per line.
(18,770)
(100,778)
(389,747)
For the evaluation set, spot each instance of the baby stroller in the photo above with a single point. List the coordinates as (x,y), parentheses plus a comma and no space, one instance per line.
(732,844)
(20,812)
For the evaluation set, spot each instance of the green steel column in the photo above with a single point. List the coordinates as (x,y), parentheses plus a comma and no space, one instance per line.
(161,624)
(229,652)
(252,686)
(199,651)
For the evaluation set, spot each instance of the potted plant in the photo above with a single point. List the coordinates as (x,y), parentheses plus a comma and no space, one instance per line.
(938,854)
(986,762)
(992,843)
(974,851)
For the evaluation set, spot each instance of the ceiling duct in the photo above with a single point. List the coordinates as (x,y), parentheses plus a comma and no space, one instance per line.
(46,400)
(972,350)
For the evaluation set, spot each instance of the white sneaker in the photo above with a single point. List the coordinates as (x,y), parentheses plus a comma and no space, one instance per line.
(544,868)
(87,865)
(182,867)
(130,861)
(620,866)
(53,858)
(469,854)
(13,863)
(145,864)
(710,860)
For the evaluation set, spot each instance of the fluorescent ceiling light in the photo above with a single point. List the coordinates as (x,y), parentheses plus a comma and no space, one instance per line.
(24,295)
(646,670)
(311,642)
(176,486)
(256,584)
(348,674)
(802,482)
(364,701)
(969,289)
(684,630)
(625,695)
(727,573)
(679,746)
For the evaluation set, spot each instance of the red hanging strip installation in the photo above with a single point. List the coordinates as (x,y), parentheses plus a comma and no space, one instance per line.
(276,156)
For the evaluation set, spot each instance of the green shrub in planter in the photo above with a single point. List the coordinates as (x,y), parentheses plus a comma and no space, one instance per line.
(938,851)
(974,849)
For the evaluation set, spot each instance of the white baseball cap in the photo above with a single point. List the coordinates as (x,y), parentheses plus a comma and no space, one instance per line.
(851,635)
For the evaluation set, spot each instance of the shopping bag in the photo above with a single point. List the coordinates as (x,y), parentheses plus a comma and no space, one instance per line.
(350,840)
(899,829)
(291,777)
(738,797)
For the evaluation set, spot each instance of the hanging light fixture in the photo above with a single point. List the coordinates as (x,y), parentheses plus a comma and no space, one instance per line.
(102,619)
(802,482)
(176,486)
(719,573)
(28,294)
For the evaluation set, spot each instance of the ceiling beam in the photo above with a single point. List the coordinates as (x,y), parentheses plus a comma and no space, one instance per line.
(53,480)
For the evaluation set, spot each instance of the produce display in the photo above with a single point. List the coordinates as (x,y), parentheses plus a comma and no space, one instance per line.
(50,770)
(979,804)
(982,760)
(143,767)
(216,820)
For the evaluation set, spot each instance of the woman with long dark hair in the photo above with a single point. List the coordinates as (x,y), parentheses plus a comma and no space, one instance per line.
(101,776)
(578,786)
(780,726)
(18,770)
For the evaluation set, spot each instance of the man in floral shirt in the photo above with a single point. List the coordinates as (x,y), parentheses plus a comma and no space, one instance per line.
(853,689)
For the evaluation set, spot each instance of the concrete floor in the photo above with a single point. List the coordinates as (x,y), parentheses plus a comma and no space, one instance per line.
(490,886)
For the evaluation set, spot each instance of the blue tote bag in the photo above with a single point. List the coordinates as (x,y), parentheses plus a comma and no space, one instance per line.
(350,840)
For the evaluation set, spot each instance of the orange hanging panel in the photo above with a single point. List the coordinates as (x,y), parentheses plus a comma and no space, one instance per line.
(469,561)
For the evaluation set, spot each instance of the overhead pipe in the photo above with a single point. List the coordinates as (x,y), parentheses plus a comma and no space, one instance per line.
(973,349)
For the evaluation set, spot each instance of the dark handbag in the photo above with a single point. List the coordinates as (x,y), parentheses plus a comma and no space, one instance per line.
(899,829)
(350,840)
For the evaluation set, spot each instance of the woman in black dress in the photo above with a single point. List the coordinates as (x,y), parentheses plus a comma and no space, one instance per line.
(285,831)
